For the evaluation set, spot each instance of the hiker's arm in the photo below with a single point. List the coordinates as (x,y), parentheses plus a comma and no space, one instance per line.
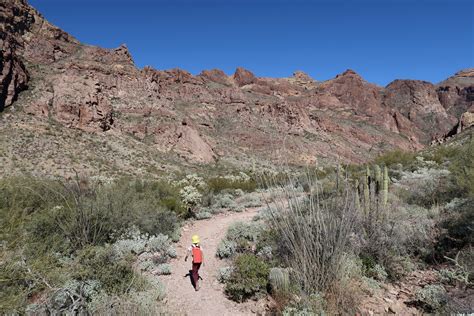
(187,255)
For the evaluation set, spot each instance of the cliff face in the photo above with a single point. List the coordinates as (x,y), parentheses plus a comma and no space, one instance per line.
(213,116)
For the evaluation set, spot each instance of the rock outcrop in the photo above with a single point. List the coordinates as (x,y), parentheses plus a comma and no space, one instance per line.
(13,74)
(418,101)
(466,121)
(244,77)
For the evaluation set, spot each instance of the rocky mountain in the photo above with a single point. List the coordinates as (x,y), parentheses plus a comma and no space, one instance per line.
(90,94)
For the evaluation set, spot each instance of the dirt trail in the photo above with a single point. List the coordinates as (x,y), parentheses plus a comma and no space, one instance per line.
(182,299)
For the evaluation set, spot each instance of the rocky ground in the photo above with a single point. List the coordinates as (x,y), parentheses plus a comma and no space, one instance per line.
(48,77)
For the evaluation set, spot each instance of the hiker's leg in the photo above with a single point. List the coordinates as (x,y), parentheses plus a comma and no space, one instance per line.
(195,274)
(197,270)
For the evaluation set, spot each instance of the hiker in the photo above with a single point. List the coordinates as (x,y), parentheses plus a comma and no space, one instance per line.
(195,251)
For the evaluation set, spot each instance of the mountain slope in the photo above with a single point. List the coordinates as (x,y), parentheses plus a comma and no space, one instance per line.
(50,81)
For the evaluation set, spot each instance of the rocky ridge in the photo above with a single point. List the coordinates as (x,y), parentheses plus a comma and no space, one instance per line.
(46,74)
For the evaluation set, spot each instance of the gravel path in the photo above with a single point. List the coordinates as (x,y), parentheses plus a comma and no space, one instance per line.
(182,299)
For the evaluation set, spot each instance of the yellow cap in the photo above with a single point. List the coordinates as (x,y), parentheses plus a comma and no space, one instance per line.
(195,239)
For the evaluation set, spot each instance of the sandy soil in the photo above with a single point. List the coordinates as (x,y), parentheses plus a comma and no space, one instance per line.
(182,299)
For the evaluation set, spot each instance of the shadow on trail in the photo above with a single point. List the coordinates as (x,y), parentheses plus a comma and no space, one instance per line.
(190,275)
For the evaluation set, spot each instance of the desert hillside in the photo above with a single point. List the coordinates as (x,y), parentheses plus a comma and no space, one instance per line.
(91,109)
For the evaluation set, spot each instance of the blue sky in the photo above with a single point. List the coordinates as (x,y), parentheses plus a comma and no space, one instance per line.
(381,40)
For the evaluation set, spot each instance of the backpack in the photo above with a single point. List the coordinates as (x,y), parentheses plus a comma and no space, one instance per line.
(197,254)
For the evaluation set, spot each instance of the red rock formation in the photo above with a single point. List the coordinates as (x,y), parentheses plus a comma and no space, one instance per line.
(215,75)
(456,93)
(13,74)
(418,101)
(244,77)
(96,89)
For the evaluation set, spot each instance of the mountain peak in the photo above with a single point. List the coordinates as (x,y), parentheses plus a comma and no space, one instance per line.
(349,73)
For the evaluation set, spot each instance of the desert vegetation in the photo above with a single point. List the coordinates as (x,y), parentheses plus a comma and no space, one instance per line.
(88,244)
(325,240)
(330,239)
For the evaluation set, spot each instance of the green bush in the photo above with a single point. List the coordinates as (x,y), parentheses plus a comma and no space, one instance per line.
(248,278)
(224,274)
(462,168)
(219,184)
(442,154)
(396,157)
(314,304)
(226,248)
(240,238)
(101,263)
(245,231)
(432,297)
(457,227)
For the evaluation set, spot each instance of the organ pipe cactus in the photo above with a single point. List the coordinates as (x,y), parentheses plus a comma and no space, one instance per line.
(366,187)
(373,187)
(357,198)
(378,178)
(385,186)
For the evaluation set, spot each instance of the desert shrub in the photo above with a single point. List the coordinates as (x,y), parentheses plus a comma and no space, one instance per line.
(442,154)
(313,304)
(371,285)
(248,278)
(462,168)
(389,235)
(224,274)
(241,237)
(162,244)
(399,266)
(100,263)
(203,215)
(265,253)
(313,236)
(136,243)
(238,192)
(224,201)
(238,209)
(163,269)
(454,276)
(251,200)
(226,248)
(137,302)
(243,230)
(16,284)
(125,247)
(219,184)
(374,270)
(427,186)
(461,271)
(396,157)
(457,224)
(190,196)
(432,297)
